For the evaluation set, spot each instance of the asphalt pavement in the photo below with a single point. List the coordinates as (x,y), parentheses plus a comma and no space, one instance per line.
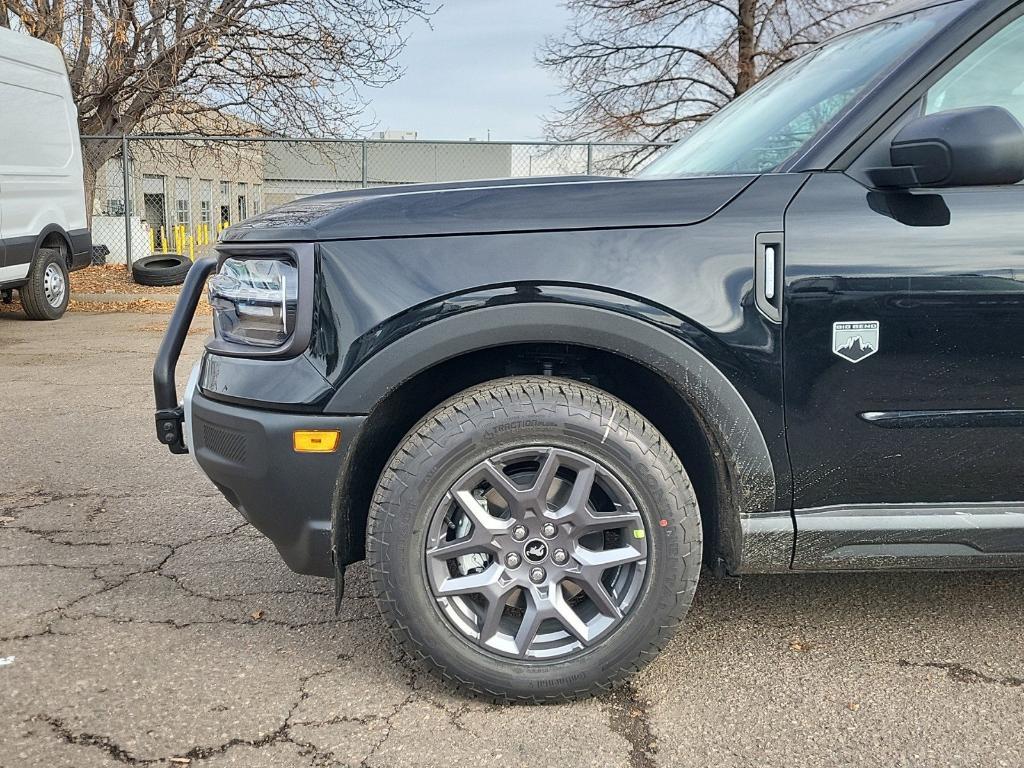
(142,623)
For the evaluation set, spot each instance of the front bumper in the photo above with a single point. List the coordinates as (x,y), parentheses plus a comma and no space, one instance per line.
(248,452)
(287,496)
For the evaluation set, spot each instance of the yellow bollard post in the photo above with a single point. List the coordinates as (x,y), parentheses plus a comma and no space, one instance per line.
(191,249)
(152,240)
(163,238)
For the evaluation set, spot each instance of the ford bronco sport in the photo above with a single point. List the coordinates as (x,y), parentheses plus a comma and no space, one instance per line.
(536,406)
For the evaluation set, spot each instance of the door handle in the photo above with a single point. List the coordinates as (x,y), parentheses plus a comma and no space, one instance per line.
(768,271)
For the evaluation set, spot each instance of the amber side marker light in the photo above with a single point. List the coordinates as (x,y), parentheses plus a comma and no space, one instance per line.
(316,440)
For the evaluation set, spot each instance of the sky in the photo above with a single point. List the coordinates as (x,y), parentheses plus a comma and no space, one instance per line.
(474,71)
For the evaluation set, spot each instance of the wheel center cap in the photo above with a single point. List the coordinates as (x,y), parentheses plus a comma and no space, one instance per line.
(535,551)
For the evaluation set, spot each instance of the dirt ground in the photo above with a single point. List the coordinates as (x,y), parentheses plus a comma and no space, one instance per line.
(142,623)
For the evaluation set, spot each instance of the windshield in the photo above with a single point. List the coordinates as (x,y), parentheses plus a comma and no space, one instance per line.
(773,120)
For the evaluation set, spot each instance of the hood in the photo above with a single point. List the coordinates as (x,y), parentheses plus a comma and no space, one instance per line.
(493,206)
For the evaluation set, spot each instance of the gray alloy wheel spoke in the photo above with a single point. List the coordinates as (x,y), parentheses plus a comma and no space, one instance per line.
(586,520)
(496,602)
(528,627)
(604,559)
(481,519)
(508,490)
(522,499)
(484,583)
(591,583)
(576,505)
(468,545)
(545,477)
(567,615)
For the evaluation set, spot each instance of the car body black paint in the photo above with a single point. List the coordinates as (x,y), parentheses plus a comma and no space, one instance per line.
(515,205)
(950,300)
(908,458)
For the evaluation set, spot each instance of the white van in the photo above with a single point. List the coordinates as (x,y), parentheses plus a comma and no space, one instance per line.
(43,228)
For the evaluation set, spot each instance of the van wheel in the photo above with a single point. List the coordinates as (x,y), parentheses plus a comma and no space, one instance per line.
(534,539)
(45,295)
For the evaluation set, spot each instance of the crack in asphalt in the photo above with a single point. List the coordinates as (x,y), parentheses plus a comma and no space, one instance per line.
(280,735)
(36,498)
(630,720)
(388,719)
(198,753)
(103,743)
(963,674)
(107,583)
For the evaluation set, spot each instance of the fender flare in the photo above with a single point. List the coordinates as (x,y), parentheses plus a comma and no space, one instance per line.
(734,428)
(48,230)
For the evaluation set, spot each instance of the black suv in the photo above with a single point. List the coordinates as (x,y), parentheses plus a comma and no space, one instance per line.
(535,406)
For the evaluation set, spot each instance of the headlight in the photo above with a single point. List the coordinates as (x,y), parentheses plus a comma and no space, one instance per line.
(255,301)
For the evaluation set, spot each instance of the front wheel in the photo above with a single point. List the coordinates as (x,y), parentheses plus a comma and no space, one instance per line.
(534,538)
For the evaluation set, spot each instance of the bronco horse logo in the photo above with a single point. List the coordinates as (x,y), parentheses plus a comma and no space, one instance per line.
(536,551)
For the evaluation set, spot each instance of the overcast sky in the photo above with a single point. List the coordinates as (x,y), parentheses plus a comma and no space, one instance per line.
(474,71)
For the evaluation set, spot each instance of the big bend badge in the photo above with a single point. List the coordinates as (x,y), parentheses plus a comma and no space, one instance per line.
(855,341)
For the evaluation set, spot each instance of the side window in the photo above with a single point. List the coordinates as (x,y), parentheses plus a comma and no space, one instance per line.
(993,75)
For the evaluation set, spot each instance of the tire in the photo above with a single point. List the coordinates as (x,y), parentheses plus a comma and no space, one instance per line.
(45,295)
(161,269)
(519,425)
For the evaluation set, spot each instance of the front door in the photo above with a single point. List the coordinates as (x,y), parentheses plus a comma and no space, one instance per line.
(904,355)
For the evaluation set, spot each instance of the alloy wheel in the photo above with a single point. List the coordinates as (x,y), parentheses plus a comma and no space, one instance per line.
(536,553)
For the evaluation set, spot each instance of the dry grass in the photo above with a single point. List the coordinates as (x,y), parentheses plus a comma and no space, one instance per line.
(139,305)
(113,278)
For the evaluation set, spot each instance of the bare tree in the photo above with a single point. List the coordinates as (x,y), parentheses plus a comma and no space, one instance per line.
(218,66)
(653,69)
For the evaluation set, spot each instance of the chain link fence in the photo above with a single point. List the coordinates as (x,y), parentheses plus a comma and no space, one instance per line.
(150,194)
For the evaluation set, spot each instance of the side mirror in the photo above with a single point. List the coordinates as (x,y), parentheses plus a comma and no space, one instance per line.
(976,146)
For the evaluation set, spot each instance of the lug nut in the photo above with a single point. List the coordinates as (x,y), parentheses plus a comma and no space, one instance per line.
(519,532)
(549,530)
(560,556)
(537,575)
(512,560)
